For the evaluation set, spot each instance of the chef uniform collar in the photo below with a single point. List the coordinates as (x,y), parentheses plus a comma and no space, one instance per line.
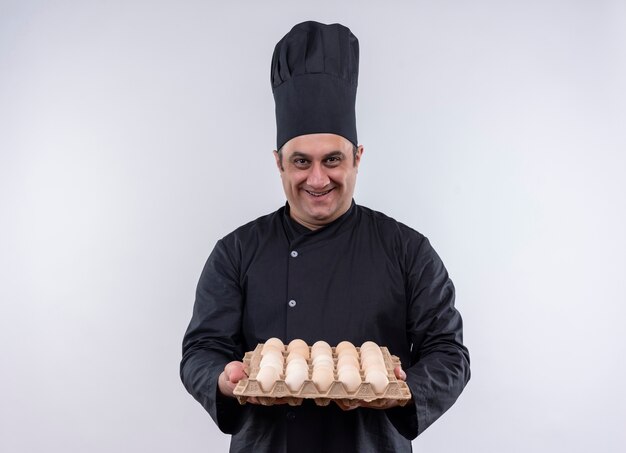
(296,231)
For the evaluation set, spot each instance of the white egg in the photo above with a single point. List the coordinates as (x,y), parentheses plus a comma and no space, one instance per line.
(347,368)
(377,379)
(375,367)
(322,358)
(296,355)
(323,378)
(349,353)
(345,346)
(369,345)
(297,358)
(346,359)
(273,361)
(271,348)
(350,377)
(323,368)
(297,344)
(371,353)
(273,342)
(320,353)
(267,377)
(295,364)
(304,352)
(295,377)
(272,354)
(276,342)
(320,344)
(371,362)
(321,347)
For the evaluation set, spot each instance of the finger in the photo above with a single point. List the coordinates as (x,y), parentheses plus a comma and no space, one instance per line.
(380,404)
(386,405)
(236,375)
(225,387)
(399,372)
(234,372)
(348,405)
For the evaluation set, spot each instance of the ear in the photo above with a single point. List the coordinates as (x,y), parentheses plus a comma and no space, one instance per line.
(279,164)
(359,154)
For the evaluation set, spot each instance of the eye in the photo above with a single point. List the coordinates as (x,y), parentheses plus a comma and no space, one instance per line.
(300,162)
(333,161)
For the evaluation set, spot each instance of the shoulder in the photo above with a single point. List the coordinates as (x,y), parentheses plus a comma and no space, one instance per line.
(259,225)
(399,241)
(388,225)
(238,246)
(254,231)
(410,246)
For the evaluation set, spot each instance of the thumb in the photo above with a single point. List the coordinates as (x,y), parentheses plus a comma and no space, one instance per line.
(400,374)
(234,372)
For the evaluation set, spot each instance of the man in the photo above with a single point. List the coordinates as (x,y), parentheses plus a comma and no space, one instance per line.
(323,268)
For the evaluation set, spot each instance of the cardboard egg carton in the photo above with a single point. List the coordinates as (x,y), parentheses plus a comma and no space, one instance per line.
(280,393)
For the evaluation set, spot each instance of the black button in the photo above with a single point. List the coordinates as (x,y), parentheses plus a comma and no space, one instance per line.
(291,415)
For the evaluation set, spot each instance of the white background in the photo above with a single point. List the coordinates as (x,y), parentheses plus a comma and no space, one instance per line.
(134,134)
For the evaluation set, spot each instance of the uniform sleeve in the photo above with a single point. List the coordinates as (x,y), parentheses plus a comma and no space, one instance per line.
(213,338)
(439,368)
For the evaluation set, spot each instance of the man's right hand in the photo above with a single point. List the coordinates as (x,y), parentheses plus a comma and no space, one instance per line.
(232,374)
(230,377)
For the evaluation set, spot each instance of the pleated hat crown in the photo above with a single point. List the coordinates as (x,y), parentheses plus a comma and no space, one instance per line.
(314,76)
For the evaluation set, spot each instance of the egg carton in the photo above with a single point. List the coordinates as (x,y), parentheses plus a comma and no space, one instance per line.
(280,393)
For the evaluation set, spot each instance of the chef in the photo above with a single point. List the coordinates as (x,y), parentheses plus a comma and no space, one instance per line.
(323,268)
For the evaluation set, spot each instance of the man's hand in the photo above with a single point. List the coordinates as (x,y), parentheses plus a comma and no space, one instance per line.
(230,377)
(348,405)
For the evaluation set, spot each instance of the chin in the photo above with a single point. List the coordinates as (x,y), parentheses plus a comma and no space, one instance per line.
(323,217)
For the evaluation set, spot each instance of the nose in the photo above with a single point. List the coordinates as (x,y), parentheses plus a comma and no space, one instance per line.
(317,178)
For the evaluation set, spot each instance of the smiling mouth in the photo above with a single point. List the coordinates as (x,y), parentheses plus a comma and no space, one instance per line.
(318,194)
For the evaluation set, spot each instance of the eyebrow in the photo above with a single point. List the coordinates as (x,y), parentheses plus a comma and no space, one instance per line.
(300,154)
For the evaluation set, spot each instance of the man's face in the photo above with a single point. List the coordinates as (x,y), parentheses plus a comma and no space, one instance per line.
(318,173)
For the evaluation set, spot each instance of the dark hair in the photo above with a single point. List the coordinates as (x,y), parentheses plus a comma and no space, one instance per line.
(355,150)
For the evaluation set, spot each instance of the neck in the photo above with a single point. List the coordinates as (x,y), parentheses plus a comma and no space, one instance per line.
(321,224)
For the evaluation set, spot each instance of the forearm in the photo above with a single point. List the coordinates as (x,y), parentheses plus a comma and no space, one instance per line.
(436,382)
(439,365)
(213,338)
(200,371)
